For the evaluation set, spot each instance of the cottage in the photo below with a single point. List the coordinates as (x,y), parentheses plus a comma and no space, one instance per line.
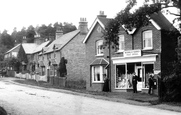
(70,47)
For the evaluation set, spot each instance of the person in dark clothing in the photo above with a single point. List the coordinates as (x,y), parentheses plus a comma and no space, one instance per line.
(106,84)
(150,83)
(134,82)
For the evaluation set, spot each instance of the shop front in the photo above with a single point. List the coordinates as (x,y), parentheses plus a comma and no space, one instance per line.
(126,66)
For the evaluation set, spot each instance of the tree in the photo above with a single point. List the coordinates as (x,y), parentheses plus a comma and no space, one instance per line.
(30,32)
(6,39)
(166,4)
(62,70)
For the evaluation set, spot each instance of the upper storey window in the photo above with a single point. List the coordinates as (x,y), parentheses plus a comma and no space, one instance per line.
(147,39)
(99,47)
(121,42)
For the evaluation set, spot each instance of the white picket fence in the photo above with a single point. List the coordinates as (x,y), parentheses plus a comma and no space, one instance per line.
(29,76)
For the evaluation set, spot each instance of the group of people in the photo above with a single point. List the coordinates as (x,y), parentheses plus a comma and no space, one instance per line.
(150,83)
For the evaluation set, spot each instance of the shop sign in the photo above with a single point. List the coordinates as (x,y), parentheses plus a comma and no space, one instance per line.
(132,53)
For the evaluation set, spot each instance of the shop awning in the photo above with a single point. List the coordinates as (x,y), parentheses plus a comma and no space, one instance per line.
(100,61)
(144,58)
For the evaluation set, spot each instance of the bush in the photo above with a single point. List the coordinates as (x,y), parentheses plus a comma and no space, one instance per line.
(172,85)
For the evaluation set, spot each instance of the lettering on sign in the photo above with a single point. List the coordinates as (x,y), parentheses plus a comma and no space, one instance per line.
(132,53)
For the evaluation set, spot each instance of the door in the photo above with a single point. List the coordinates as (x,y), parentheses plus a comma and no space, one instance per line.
(140,74)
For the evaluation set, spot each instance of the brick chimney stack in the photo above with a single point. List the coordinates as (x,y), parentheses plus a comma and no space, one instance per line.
(24,39)
(101,15)
(83,27)
(59,32)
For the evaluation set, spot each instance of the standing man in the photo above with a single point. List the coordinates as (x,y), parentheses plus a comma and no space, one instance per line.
(134,82)
(150,83)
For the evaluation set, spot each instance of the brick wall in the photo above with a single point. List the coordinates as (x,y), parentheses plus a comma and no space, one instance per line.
(74,52)
(91,56)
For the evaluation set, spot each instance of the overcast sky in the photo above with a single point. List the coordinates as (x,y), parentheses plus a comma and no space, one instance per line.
(19,13)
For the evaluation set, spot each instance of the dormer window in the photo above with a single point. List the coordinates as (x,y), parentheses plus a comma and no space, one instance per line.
(99,47)
(147,40)
(121,43)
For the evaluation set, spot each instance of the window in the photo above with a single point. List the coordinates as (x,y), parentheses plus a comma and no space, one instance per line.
(121,43)
(97,73)
(99,47)
(147,40)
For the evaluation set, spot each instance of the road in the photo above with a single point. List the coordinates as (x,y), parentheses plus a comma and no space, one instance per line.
(22,100)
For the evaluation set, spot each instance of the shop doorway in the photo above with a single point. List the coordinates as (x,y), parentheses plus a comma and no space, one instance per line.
(140,74)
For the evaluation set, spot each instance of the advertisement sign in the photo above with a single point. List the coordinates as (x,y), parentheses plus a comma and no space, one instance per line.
(132,53)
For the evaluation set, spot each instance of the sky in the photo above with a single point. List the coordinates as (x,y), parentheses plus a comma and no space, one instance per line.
(23,13)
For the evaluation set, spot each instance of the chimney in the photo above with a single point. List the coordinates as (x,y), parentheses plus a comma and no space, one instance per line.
(101,15)
(59,32)
(38,40)
(24,39)
(83,27)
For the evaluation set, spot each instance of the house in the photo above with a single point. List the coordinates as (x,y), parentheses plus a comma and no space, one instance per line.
(142,51)
(30,49)
(96,57)
(70,47)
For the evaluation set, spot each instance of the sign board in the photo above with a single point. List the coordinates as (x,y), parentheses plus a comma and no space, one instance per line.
(132,53)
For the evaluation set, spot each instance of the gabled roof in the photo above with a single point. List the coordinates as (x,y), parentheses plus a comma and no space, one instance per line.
(63,40)
(100,20)
(13,48)
(29,47)
(161,21)
(41,46)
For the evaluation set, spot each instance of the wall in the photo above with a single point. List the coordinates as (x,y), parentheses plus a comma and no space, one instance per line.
(90,57)
(74,52)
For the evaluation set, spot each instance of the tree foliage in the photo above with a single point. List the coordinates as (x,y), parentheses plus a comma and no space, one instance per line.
(129,20)
(62,70)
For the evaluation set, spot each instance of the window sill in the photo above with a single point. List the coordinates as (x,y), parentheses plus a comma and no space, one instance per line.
(119,51)
(147,49)
(98,82)
(99,55)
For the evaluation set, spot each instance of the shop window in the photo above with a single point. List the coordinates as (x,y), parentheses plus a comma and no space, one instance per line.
(121,43)
(98,73)
(99,47)
(147,39)
(120,76)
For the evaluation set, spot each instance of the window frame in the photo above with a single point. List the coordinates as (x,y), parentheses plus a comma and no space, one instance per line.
(98,49)
(102,70)
(123,43)
(145,40)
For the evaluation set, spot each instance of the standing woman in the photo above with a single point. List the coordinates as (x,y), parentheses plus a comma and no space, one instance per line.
(151,84)
(134,82)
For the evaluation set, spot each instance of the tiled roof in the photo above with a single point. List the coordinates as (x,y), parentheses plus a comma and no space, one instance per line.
(62,40)
(100,61)
(29,47)
(104,20)
(41,46)
(13,48)
(162,21)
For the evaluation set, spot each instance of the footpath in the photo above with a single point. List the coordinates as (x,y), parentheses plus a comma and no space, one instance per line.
(140,99)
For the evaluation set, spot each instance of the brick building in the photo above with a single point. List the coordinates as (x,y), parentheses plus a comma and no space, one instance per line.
(142,51)
(70,47)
